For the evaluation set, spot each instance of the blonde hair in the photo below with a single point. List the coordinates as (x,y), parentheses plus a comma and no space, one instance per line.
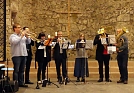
(82,35)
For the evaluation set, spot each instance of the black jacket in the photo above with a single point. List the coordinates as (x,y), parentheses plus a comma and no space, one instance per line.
(56,51)
(40,52)
(100,47)
(29,49)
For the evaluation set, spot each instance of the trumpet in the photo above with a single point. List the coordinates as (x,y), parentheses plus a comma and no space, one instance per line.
(29,34)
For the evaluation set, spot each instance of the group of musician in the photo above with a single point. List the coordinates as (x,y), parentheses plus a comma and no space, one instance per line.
(22,56)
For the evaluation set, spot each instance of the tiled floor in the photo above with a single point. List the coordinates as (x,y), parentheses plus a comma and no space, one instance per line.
(91,86)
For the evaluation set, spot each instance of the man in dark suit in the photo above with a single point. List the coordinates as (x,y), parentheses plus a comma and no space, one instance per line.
(29,59)
(101,55)
(60,57)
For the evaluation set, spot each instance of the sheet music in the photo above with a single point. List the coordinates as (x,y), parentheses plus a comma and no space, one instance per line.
(66,44)
(111,49)
(1,65)
(71,47)
(89,44)
(112,39)
(41,47)
(103,41)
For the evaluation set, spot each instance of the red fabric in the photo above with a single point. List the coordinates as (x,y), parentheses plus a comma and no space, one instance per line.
(105,52)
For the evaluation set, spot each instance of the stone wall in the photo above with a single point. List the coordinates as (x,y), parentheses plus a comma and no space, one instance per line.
(86,16)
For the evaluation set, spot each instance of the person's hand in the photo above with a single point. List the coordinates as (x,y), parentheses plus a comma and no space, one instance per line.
(117,49)
(59,40)
(22,34)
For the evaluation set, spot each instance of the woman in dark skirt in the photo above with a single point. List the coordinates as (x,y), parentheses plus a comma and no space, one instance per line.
(81,60)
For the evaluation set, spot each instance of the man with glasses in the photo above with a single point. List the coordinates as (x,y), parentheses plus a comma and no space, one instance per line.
(18,41)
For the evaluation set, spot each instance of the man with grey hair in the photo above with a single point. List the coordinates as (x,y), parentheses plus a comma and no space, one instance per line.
(122,56)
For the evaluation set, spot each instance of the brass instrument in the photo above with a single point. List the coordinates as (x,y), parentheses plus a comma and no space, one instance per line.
(120,42)
(31,35)
(102,34)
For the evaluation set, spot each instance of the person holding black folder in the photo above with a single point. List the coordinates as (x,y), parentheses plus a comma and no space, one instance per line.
(79,69)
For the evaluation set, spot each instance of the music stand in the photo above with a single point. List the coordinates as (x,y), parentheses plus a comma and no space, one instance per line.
(66,45)
(48,79)
(81,53)
(7,80)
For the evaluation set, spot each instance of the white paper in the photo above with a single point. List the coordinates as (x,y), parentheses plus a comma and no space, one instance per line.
(103,41)
(53,44)
(7,68)
(112,39)
(71,47)
(41,47)
(1,65)
(65,46)
(111,49)
(89,44)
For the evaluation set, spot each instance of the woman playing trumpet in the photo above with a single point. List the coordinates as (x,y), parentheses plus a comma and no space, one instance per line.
(43,56)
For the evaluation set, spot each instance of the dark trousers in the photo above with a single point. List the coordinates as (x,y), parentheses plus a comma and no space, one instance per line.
(19,66)
(105,60)
(42,63)
(27,70)
(122,64)
(61,61)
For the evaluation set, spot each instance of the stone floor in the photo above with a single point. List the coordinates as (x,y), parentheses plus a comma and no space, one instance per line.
(91,86)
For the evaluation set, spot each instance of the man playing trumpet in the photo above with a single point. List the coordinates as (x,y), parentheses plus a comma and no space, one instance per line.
(18,43)
(102,55)
(60,57)
(29,58)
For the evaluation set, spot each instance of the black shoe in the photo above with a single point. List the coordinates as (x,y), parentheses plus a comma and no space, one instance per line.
(28,82)
(60,81)
(100,80)
(66,80)
(23,85)
(82,80)
(125,82)
(120,81)
(108,80)
(78,80)
(44,83)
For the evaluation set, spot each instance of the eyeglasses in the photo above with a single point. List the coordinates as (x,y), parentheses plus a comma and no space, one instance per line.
(18,27)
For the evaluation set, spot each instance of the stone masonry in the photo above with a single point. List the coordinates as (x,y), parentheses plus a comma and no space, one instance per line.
(73,17)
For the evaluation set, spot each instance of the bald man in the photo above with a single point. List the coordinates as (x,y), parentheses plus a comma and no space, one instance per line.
(122,57)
